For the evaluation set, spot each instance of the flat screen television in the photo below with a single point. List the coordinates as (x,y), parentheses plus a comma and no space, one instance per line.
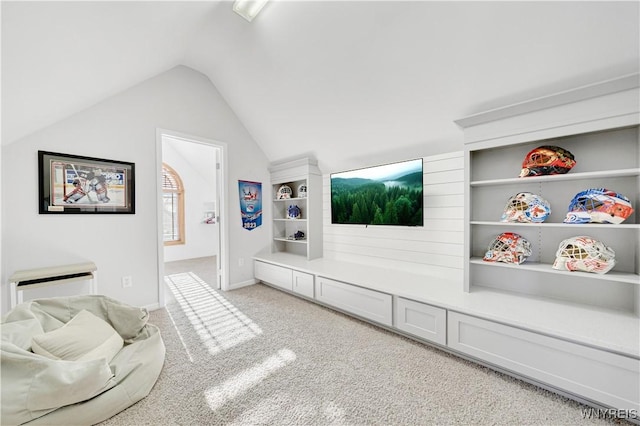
(389,194)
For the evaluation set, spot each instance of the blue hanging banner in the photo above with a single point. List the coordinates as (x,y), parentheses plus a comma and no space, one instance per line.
(250,203)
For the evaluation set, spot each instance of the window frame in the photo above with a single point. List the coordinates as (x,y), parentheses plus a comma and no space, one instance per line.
(180,194)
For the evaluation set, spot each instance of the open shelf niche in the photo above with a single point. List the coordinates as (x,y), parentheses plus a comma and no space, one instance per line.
(302,234)
(600,128)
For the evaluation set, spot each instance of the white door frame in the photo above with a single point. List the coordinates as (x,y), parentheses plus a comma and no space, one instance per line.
(223,252)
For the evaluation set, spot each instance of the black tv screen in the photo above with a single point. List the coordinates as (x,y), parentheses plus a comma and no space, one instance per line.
(389,194)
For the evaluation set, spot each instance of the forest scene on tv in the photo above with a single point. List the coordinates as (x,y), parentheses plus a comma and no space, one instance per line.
(382,195)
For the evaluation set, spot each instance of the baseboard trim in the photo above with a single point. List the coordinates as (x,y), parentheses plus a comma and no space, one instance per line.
(241,284)
(152,307)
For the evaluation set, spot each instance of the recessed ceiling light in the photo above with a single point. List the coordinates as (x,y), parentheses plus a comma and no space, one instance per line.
(248,9)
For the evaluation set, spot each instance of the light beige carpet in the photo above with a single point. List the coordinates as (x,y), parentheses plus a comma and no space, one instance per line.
(257,356)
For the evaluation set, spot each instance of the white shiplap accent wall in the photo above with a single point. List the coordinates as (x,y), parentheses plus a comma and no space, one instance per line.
(437,249)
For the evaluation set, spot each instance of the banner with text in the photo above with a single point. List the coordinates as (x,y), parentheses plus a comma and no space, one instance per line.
(250,203)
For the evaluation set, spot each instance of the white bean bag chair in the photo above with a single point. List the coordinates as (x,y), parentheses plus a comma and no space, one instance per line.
(76,360)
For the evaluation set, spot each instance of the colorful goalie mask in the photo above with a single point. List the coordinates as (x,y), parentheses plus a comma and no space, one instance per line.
(294,212)
(584,254)
(526,207)
(284,192)
(547,160)
(508,247)
(598,205)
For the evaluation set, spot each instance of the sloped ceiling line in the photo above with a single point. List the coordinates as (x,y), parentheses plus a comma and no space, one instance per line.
(348,81)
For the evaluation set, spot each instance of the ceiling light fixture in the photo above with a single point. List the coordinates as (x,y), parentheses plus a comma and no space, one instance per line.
(248,9)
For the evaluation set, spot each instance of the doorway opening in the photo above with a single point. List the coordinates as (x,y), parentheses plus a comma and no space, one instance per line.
(191,202)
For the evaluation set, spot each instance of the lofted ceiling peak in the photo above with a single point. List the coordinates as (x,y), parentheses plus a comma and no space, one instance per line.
(350,82)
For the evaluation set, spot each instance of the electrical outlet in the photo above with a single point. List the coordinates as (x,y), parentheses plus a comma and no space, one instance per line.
(127,281)
(241,261)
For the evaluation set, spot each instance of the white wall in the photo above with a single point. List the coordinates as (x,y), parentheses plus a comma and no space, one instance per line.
(201,239)
(124,127)
(2,259)
(437,249)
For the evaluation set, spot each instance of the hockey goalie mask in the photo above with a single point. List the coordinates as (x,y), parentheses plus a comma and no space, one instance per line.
(294,212)
(547,160)
(302,191)
(526,207)
(508,247)
(584,254)
(598,205)
(284,192)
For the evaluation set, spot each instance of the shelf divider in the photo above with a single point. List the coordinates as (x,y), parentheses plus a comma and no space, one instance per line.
(623,277)
(565,177)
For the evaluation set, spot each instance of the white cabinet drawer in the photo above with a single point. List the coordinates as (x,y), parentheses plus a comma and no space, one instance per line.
(360,301)
(419,319)
(272,274)
(601,376)
(303,284)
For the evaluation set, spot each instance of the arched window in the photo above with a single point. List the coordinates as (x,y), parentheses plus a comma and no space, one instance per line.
(173,206)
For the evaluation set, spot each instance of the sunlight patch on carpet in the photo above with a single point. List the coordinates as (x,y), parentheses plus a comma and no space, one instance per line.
(266,411)
(239,384)
(334,414)
(270,410)
(177,329)
(218,323)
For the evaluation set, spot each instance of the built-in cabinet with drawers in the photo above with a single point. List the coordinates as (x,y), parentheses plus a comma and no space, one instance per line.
(422,320)
(592,374)
(285,278)
(377,305)
(363,302)
(436,313)
(575,333)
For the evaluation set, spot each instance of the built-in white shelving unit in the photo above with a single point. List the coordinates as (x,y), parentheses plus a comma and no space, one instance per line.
(297,174)
(605,159)
(601,131)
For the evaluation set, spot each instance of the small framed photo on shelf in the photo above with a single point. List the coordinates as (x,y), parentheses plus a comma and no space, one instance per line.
(76,184)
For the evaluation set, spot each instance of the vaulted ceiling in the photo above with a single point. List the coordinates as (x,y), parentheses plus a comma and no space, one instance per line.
(351,82)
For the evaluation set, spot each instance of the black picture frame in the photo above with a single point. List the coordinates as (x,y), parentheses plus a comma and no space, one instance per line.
(74,184)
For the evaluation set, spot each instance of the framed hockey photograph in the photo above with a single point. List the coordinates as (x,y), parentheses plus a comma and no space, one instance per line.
(76,184)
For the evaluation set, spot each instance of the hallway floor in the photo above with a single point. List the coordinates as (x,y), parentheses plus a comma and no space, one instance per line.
(201,269)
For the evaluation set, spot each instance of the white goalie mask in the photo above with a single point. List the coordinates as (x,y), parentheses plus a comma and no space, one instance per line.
(584,254)
(284,193)
(508,247)
(302,191)
(526,207)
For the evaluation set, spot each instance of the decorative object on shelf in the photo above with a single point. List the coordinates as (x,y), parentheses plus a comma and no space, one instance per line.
(250,204)
(209,213)
(584,254)
(526,207)
(299,235)
(284,192)
(77,184)
(294,212)
(508,247)
(547,160)
(598,205)
(302,190)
